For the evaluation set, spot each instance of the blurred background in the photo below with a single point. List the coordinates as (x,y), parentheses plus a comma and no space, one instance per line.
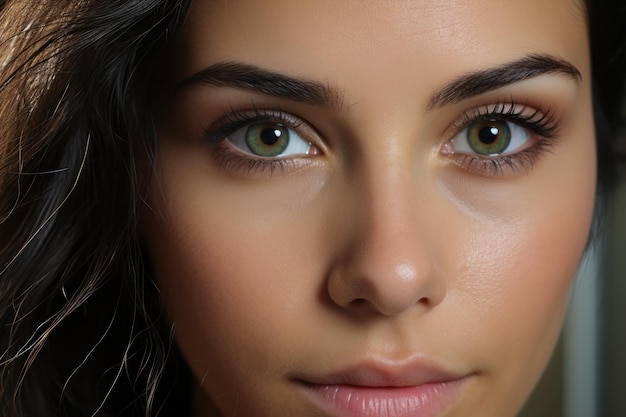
(587,374)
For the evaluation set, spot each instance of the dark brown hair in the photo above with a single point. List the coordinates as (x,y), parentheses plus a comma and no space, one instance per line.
(80,332)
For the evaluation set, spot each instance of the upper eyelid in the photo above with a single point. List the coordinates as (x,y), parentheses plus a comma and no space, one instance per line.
(506,109)
(544,121)
(234,120)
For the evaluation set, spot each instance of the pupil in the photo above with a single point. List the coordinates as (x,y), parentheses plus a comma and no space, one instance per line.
(488,134)
(270,136)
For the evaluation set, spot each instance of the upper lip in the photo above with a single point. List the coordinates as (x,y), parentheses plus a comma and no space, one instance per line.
(382,373)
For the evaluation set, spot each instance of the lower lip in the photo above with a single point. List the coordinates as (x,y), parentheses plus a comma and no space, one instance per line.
(426,400)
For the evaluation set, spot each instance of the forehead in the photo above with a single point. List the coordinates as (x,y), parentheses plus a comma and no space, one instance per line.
(338,40)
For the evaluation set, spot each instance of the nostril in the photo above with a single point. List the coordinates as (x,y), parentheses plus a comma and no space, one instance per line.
(359,302)
(426,302)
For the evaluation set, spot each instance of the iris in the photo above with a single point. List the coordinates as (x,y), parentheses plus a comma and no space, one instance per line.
(267,139)
(489,137)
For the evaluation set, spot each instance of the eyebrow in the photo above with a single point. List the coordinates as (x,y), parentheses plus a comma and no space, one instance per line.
(476,83)
(252,78)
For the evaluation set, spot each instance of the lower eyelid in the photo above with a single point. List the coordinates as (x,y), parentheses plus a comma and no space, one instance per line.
(514,163)
(311,150)
(238,163)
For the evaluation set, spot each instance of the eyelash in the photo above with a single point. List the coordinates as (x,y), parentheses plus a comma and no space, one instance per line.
(543,126)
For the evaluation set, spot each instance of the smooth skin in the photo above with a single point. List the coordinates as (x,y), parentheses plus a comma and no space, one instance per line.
(385,239)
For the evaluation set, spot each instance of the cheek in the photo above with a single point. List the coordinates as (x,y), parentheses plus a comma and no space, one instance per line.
(233,264)
(515,270)
(222,284)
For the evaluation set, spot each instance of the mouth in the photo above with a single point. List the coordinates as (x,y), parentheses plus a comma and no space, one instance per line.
(376,390)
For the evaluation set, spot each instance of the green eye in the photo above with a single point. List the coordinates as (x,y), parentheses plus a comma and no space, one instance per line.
(270,139)
(489,137)
(267,139)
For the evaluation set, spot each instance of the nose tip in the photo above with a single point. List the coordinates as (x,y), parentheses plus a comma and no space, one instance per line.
(387,279)
(406,272)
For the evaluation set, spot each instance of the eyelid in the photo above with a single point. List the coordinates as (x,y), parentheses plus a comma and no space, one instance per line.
(237,161)
(234,120)
(542,122)
(543,127)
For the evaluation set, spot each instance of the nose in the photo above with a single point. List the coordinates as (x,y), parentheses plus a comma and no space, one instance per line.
(390,263)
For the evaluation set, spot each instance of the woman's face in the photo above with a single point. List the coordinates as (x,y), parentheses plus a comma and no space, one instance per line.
(371,208)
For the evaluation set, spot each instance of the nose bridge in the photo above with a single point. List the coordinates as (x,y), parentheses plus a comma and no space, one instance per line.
(389,207)
(391,265)
(388,180)
(395,241)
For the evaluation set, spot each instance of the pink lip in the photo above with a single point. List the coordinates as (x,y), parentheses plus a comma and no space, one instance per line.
(415,389)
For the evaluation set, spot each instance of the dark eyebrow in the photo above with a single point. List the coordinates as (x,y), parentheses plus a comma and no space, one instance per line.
(480,82)
(252,78)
